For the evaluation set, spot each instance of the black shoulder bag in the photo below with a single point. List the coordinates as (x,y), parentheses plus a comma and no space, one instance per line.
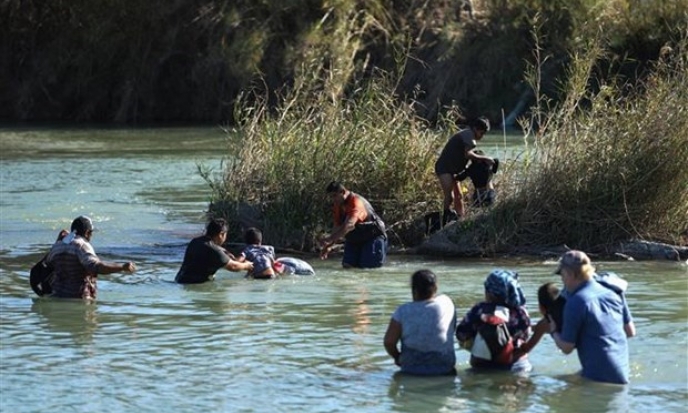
(41,277)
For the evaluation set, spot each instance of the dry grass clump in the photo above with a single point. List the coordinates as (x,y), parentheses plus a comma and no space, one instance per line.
(611,162)
(284,161)
(324,129)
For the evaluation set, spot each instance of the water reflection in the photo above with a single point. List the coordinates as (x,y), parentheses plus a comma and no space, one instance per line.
(361,312)
(577,394)
(428,394)
(77,318)
(497,391)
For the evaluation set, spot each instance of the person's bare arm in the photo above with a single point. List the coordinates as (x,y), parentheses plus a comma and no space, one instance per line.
(234,265)
(338,233)
(629,329)
(229,254)
(392,337)
(564,346)
(539,330)
(341,231)
(105,267)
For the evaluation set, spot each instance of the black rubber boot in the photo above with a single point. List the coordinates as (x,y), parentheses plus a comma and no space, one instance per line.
(448,216)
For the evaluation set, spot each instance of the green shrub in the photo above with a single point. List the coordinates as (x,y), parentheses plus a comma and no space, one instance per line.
(329,125)
(612,164)
(609,160)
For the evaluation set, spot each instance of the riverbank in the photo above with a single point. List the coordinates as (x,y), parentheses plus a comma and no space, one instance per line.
(443,245)
(449,243)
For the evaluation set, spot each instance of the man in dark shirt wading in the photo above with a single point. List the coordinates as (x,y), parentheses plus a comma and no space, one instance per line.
(205,255)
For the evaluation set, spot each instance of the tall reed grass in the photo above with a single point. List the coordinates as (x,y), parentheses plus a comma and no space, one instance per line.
(611,162)
(284,160)
(328,126)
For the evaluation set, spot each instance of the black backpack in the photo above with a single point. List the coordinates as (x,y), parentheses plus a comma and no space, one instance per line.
(41,277)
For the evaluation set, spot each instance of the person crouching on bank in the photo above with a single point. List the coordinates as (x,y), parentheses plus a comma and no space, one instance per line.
(363,231)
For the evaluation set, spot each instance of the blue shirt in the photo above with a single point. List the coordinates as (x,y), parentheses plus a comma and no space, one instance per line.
(594,318)
(262,257)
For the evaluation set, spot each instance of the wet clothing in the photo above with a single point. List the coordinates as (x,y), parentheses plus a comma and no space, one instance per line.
(594,319)
(371,254)
(366,245)
(453,157)
(202,259)
(479,172)
(427,336)
(518,325)
(76,268)
(262,257)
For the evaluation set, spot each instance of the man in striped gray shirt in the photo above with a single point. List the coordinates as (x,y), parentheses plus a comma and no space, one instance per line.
(77,265)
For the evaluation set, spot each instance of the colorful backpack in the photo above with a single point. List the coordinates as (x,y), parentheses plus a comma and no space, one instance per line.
(493,342)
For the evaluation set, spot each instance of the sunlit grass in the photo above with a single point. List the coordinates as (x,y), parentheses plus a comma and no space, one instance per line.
(612,164)
(609,162)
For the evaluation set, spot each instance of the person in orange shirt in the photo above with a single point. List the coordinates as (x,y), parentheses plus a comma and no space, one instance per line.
(363,231)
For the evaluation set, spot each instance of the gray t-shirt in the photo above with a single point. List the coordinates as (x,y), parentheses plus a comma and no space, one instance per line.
(427,335)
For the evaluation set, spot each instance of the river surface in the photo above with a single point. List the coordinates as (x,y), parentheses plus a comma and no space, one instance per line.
(300,343)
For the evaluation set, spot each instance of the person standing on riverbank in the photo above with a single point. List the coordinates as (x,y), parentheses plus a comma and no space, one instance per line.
(355,220)
(205,255)
(76,264)
(453,159)
(596,322)
(425,328)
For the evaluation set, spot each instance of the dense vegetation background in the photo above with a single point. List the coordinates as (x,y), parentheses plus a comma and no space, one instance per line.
(131,61)
(367,92)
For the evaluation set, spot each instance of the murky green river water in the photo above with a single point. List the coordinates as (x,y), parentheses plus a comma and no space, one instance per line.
(309,344)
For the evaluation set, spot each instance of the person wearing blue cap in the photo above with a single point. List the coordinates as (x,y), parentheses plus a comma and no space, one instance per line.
(76,264)
(596,321)
(494,329)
